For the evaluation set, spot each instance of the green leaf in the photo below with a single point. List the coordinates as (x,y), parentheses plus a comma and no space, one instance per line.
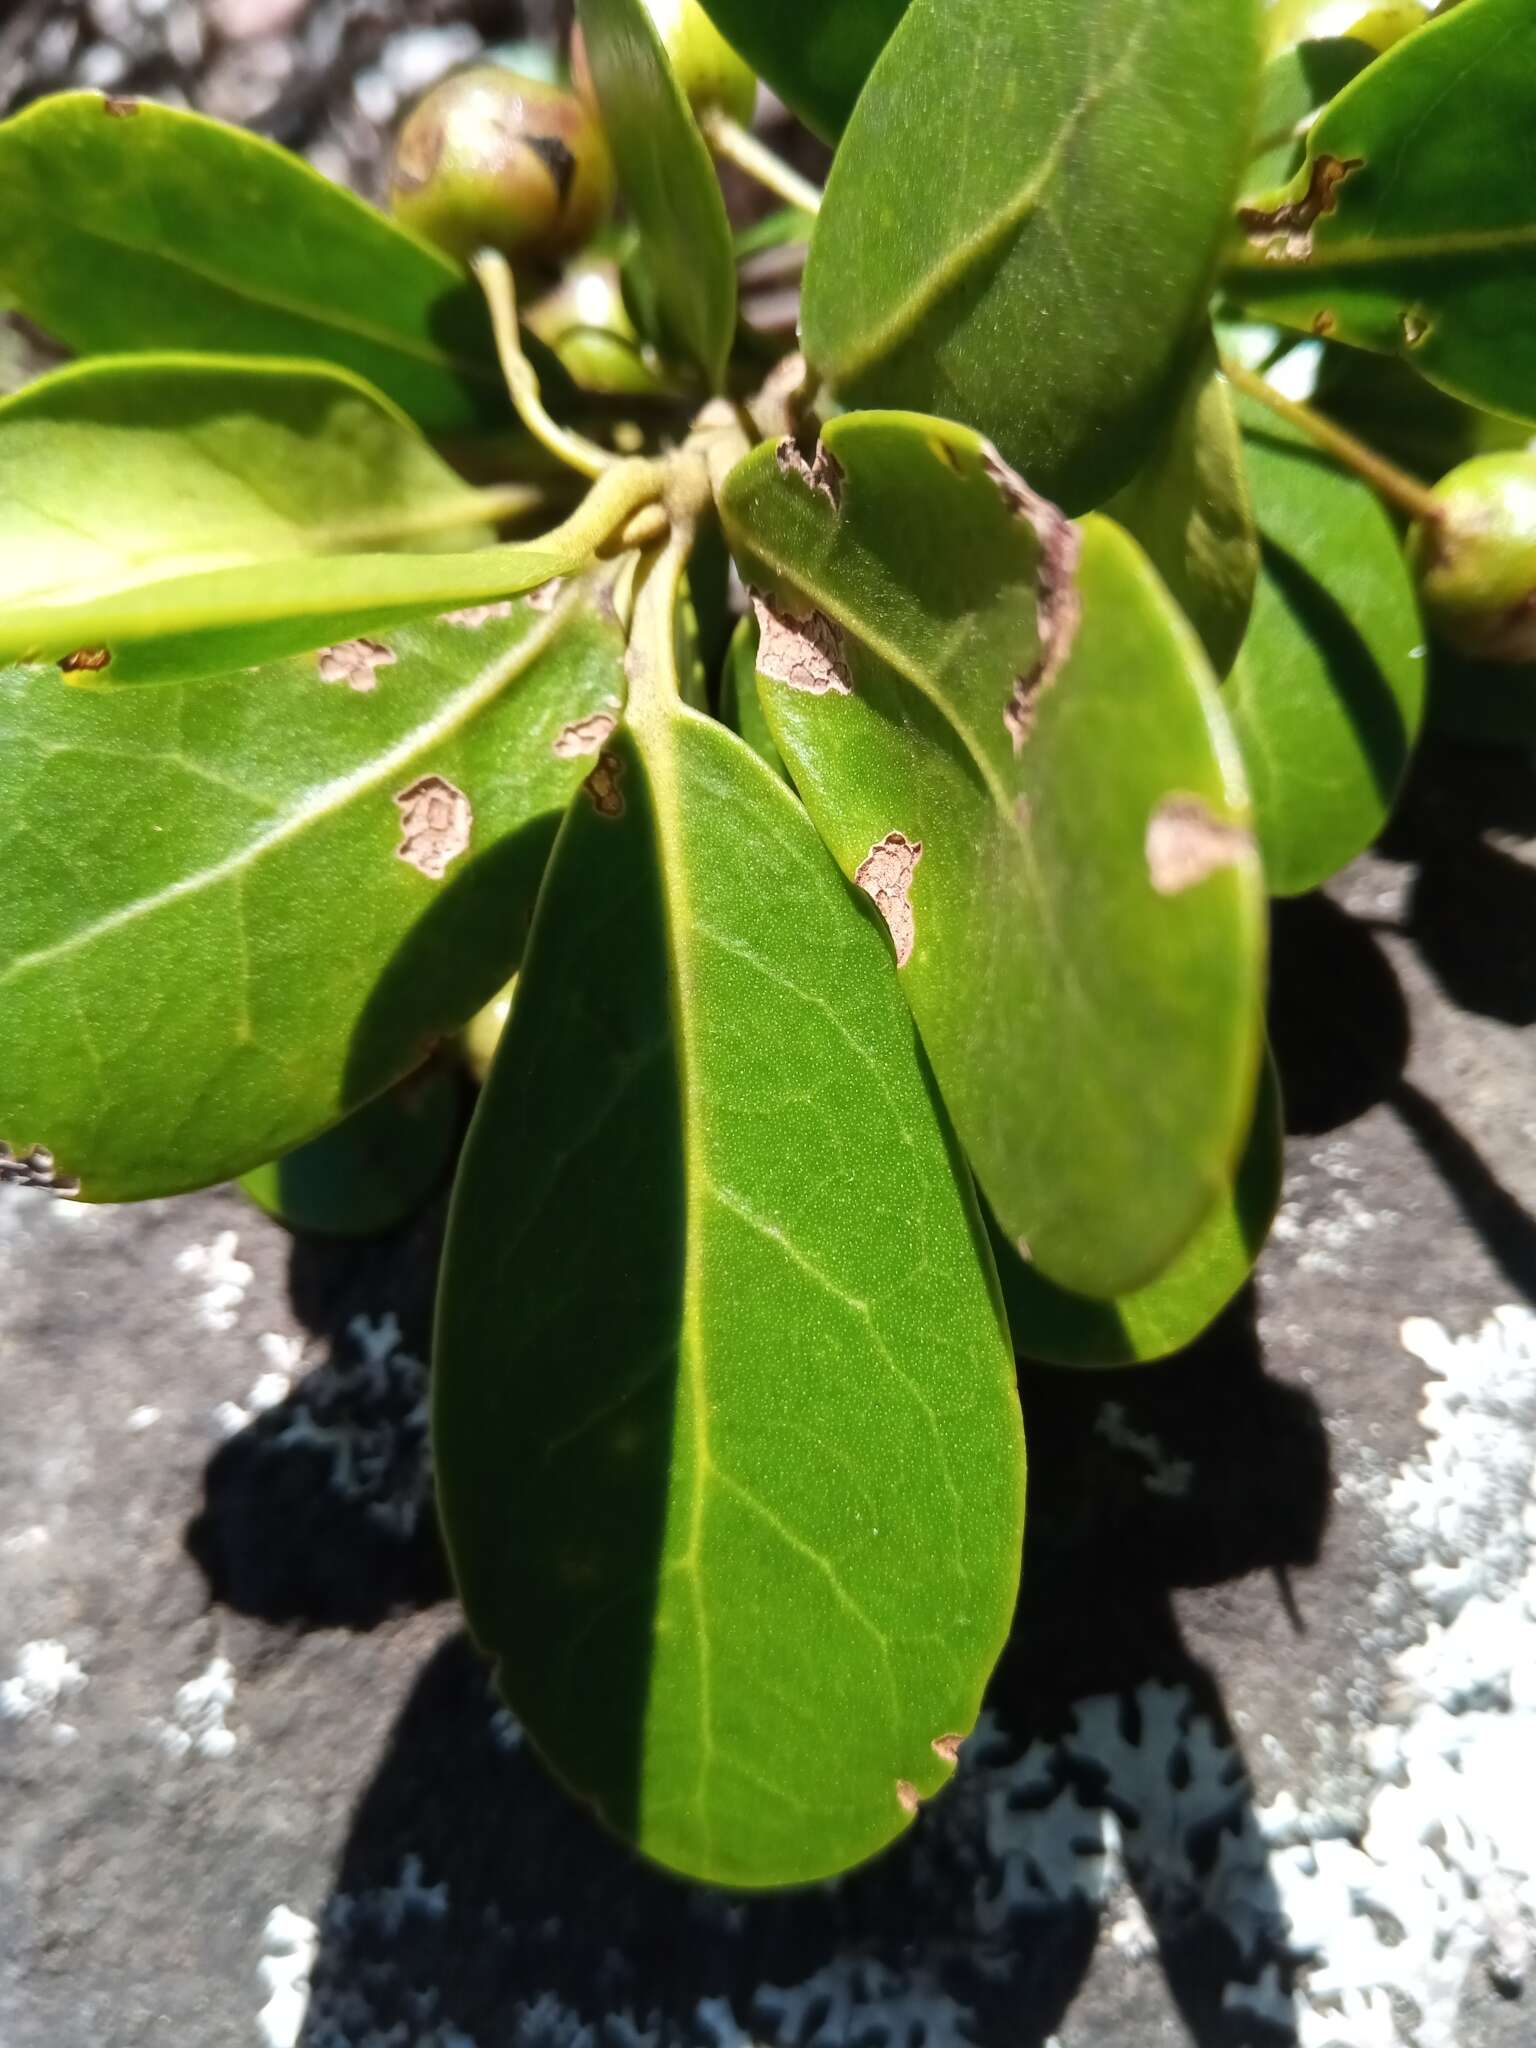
(668,181)
(1054,823)
(726,1431)
(222,925)
(218,621)
(1021,223)
(1411,228)
(1294,85)
(164,230)
(1327,695)
(131,470)
(740,706)
(1058,1328)
(1189,508)
(816,54)
(376,1170)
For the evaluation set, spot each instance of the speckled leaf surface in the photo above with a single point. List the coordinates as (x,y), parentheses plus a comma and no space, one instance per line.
(1411,227)
(132,470)
(221,621)
(232,912)
(668,181)
(1065,864)
(1327,695)
(816,54)
(1055,1327)
(1189,508)
(727,1437)
(156,229)
(984,253)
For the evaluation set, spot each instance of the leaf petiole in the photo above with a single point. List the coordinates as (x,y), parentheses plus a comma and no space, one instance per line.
(494,275)
(1399,489)
(728,139)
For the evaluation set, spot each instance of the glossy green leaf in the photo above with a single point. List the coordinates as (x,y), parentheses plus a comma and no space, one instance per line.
(1058,1328)
(146,228)
(1327,695)
(726,1431)
(668,181)
(219,621)
(741,708)
(375,1170)
(1294,86)
(231,913)
(1021,223)
(816,54)
(1189,508)
(1065,864)
(1411,228)
(131,470)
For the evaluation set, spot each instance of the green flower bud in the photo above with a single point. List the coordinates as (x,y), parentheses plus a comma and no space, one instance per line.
(706,67)
(491,159)
(1477,567)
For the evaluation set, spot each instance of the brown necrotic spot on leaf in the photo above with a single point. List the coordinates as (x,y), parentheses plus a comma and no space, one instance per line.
(1284,232)
(1058,604)
(885,876)
(435,824)
(602,786)
(35,1169)
(948,1747)
(906,1795)
(473,616)
(584,735)
(803,654)
(823,474)
(86,661)
(119,109)
(542,599)
(354,662)
(1187,842)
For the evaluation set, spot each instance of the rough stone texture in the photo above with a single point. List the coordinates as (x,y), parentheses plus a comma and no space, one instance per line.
(213,1451)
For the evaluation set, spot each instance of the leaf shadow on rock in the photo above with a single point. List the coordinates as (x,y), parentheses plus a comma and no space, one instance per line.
(472,1891)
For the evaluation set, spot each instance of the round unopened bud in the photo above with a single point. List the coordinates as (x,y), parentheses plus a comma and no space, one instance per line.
(1477,565)
(703,62)
(491,159)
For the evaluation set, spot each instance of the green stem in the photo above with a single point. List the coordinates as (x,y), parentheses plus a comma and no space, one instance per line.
(739,146)
(495,277)
(1393,484)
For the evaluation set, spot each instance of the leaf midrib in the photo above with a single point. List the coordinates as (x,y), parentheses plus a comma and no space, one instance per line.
(360,330)
(1364,252)
(317,805)
(930,291)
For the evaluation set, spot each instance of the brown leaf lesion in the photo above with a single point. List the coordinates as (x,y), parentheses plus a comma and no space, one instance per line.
(1187,843)
(1058,601)
(436,819)
(822,475)
(35,1169)
(1284,232)
(885,875)
(602,786)
(801,653)
(355,663)
(584,735)
(86,661)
